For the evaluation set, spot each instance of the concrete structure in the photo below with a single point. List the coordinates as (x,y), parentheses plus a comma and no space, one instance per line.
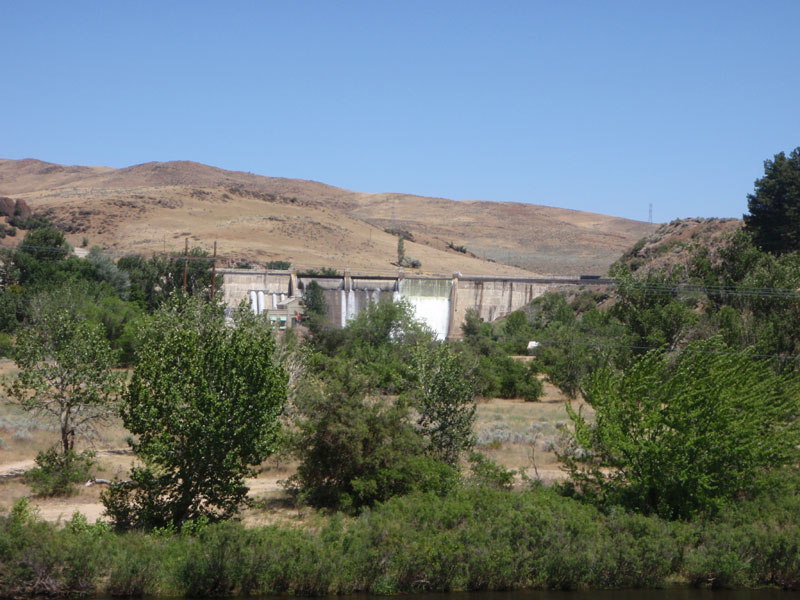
(440,302)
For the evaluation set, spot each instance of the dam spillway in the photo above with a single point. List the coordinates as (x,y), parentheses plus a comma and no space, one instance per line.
(430,301)
(441,303)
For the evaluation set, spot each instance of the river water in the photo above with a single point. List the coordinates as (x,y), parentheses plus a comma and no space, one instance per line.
(681,593)
(678,593)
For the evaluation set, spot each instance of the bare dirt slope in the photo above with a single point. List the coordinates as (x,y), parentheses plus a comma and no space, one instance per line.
(153,206)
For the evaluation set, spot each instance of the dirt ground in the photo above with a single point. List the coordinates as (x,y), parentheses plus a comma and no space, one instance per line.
(519,435)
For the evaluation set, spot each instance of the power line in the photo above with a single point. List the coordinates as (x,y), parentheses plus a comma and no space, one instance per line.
(709,290)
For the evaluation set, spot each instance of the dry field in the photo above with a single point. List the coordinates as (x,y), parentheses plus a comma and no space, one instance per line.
(514,433)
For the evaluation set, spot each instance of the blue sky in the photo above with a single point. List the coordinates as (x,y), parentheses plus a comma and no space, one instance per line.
(599,106)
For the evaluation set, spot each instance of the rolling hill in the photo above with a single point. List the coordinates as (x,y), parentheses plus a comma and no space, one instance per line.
(154,206)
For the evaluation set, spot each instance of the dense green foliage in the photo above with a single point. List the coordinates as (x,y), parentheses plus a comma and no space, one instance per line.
(751,298)
(684,436)
(279,265)
(39,265)
(489,349)
(315,309)
(156,279)
(203,402)
(475,538)
(774,218)
(686,468)
(357,445)
(356,450)
(377,344)
(114,295)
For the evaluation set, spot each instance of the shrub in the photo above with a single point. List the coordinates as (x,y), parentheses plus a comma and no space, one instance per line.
(278,265)
(486,472)
(37,559)
(56,473)
(452,246)
(356,450)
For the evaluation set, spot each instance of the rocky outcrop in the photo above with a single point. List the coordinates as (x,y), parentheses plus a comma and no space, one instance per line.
(22,209)
(7,206)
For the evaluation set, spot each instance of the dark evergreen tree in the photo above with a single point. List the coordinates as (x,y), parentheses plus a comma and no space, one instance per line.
(774,218)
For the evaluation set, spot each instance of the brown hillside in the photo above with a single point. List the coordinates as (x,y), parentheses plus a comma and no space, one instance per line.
(153,206)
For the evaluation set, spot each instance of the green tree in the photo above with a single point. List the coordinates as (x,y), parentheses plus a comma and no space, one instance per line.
(445,398)
(314,300)
(107,270)
(155,279)
(377,344)
(401,251)
(752,299)
(678,436)
(279,265)
(96,304)
(203,401)
(774,218)
(654,310)
(45,243)
(356,450)
(65,373)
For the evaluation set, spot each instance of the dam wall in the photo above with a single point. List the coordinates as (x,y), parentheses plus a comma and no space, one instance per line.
(239,283)
(492,298)
(439,302)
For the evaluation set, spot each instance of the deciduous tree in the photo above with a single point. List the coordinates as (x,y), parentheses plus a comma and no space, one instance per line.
(445,398)
(678,436)
(203,401)
(65,372)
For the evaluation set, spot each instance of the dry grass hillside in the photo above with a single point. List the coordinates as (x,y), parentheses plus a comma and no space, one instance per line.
(154,206)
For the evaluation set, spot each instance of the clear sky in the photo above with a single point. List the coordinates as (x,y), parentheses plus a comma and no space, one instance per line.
(595,105)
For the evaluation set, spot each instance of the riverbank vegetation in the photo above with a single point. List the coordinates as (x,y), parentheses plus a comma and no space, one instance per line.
(474,538)
(682,463)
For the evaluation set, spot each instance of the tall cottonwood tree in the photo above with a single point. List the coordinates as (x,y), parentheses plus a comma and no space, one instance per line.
(203,401)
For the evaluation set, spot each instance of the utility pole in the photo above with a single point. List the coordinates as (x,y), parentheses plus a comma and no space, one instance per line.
(651,213)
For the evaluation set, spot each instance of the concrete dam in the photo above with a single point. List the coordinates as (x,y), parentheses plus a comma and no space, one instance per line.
(439,302)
